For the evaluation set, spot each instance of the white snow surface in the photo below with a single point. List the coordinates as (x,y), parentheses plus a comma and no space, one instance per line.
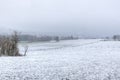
(90,59)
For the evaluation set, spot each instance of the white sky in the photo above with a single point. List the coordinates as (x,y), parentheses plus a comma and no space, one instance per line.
(84,17)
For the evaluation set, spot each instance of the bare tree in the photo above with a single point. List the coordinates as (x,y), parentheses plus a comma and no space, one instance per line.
(57,39)
(26,49)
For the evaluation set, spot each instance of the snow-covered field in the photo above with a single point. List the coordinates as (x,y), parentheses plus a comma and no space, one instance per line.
(66,60)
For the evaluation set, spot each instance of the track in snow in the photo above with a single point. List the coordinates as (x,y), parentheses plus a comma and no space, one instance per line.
(61,47)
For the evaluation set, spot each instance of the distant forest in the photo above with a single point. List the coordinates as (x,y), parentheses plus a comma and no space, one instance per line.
(34,38)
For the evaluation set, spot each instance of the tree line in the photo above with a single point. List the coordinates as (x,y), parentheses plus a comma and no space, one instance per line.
(34,38)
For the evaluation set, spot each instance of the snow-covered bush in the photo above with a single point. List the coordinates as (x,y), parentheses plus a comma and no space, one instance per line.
(8,45)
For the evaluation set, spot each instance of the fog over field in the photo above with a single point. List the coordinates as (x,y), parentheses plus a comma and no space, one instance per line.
(59,39)
(62,17)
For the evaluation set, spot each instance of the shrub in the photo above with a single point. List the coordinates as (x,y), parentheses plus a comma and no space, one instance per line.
(9,45)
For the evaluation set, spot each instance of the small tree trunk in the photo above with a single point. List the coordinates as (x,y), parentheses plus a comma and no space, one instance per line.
(26,49)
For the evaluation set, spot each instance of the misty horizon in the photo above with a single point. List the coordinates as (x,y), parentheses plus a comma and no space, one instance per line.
(63,17)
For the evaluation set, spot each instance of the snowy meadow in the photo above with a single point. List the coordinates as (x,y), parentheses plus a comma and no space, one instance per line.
(90,59)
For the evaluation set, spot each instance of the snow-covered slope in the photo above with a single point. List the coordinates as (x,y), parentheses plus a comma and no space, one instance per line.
(65,60)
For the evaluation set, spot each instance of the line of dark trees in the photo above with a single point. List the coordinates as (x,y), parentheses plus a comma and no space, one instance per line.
(116,37)
(34,38)
(113,38)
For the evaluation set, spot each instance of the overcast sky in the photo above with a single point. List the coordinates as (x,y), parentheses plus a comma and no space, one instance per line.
(81,17)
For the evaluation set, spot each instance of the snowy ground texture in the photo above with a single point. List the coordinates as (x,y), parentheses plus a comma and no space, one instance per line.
(65,60)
